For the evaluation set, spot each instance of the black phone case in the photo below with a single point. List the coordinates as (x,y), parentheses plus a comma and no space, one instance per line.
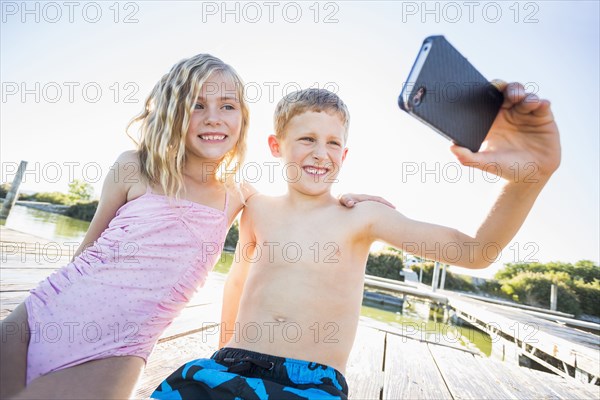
(457,101)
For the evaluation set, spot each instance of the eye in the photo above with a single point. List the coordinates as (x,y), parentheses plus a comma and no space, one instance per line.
(335,143)
(308,139)
(228,107)
(198,106)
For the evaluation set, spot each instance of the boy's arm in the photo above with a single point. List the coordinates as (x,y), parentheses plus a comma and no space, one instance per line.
(523,138)
(234,284)
(450,246)
(349,200)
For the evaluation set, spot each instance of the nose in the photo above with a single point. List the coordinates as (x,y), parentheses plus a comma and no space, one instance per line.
(212,116)
(319,152)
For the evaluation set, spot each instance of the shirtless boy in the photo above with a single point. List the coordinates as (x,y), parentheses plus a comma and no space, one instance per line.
(292,298)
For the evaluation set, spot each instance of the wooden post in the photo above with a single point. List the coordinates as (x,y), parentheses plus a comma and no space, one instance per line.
(436,276)
(553,296)
(443,282)
(13,193)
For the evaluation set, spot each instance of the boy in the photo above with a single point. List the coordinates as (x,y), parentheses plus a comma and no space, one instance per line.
(301,257)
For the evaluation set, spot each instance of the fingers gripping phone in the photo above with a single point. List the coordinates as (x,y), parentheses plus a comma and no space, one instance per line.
(447,93)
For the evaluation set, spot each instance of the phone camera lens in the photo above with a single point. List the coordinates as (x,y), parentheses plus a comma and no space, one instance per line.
(418,97)
(425,48)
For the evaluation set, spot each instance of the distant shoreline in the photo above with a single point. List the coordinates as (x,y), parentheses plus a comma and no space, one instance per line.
(43,206)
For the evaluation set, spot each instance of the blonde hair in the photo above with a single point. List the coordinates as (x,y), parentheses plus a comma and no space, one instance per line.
(166,118)
(317,100)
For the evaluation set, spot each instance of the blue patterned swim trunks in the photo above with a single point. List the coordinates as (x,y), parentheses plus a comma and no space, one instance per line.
(241,374)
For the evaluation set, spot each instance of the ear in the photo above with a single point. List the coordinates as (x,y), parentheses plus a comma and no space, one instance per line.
(344,154)
(275,146)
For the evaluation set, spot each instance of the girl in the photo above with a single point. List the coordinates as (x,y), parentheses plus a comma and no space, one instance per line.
(162,208)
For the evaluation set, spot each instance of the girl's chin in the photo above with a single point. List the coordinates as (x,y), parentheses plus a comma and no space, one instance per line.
(207,159)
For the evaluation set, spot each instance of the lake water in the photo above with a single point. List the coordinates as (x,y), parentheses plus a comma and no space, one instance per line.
(415,319)
(54,227)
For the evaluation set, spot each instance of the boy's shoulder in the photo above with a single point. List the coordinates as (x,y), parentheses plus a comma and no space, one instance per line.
(260,202)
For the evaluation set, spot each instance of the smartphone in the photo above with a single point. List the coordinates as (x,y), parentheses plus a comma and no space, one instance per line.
(445,92)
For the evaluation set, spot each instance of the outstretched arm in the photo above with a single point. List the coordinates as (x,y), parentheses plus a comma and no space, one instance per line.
(523,147)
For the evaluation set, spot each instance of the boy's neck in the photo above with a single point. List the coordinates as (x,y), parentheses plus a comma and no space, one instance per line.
(308,201)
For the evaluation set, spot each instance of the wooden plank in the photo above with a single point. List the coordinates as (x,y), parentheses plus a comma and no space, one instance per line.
(463,376)
(411,372)
(20,279)
(31,260)
(564,388)
(517,380)
(193,319)
(10,300)
(364,370)
(169,355)
(564,343)
(11,235)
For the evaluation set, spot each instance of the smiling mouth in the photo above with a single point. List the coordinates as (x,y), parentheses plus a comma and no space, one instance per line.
(212,137)
(316,171)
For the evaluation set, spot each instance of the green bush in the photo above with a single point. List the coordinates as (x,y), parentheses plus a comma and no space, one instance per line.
(385,264)
(79,191)
(232,236)
(51,197)
(4,189)
(533,288)
(459,282)
(84,211)
(453,281)
(584,269)
(427,271)
(493,288)
(589,296)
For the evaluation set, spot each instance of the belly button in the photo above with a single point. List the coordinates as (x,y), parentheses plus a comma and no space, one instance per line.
(280,319)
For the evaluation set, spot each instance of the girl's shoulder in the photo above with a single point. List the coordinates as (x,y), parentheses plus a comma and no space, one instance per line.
(129,157)
(126,172)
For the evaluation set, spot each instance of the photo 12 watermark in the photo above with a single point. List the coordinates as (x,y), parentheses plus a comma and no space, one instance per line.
(453,12)
(54,12)
(70,92)
(252,12)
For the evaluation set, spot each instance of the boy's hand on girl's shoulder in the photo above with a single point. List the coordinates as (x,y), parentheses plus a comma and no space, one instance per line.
(523,143)
(350,199)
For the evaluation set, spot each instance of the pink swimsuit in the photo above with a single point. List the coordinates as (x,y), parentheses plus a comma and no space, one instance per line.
(118,296)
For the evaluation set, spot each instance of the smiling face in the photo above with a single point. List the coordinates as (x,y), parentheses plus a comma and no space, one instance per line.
(215,121)
(313,150)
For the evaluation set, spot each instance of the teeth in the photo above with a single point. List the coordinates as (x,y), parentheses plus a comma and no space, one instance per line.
(315,171)
(212,137)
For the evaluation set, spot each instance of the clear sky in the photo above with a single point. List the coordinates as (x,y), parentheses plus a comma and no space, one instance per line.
(74,73)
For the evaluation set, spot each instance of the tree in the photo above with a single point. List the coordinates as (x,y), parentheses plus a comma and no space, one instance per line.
(80,191)
(232,236)
(385,264)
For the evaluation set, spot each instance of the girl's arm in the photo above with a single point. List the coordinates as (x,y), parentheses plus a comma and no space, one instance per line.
(114,195)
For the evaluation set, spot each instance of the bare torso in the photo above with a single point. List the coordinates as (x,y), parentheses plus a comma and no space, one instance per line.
(304,289)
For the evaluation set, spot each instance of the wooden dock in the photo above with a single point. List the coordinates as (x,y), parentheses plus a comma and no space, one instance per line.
(542,336)
(383,364)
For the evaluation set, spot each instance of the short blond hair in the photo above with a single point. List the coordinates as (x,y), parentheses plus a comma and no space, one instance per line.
(316,100)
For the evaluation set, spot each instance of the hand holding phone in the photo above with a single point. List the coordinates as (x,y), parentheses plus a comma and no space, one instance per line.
(447,93)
